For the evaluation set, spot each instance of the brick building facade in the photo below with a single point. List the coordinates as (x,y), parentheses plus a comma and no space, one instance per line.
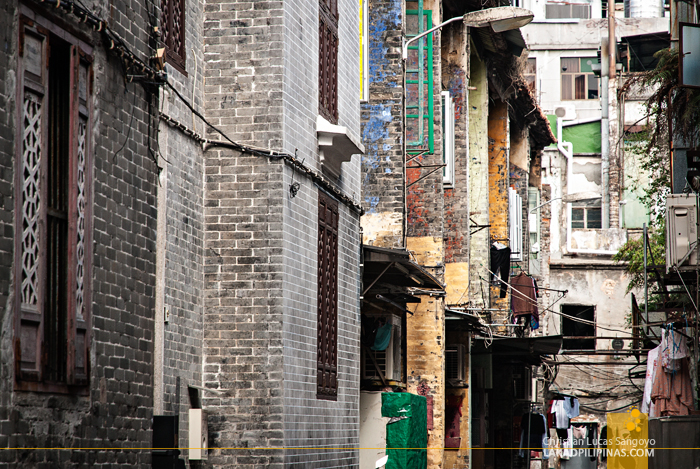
(484,137)
(200,266)
(79,259)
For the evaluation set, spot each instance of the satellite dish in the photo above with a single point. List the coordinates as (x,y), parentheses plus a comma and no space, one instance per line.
(381,462)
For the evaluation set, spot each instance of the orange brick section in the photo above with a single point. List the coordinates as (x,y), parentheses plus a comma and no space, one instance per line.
(425,365)
(498,189)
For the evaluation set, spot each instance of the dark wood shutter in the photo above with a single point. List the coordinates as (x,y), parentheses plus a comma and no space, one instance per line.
(328,60)
(79,239)
(30,230)
(172,25)
(327,354)
(53,236)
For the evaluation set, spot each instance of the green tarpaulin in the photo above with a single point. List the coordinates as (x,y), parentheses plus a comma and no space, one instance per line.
(407,437)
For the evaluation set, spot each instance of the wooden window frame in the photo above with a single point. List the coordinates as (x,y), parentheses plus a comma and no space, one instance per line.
(173,22)
(327,327)
(586,210)
(328,60)
(31,341)
(570,77)
(448,140)
(567,323)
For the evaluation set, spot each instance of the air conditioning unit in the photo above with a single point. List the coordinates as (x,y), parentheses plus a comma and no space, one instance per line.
(566,112)
(388,360)
(681,232)
(522,384)
(454,365)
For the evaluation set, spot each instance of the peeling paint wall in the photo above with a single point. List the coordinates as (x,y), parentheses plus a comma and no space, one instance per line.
(478,181)
(455,70)
(425,365)
(601,284)
(382,129)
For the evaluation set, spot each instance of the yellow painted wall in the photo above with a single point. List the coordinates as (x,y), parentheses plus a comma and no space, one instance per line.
(457,283)
(498,189)
(428,251)
(425,367)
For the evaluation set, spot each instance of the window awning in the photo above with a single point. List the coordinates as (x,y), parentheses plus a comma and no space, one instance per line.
(463,320)
(526,349)
(394,267)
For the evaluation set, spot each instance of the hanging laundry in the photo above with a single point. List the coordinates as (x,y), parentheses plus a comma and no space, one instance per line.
(672,392)
(545,439)
(534,425)
(568,444)
(652,362)
(580,433)
(500,263)
(561,415)
(673,348)
(523,299)
(571,406)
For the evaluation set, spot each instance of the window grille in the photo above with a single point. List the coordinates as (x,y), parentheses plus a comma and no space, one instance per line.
(52,291)
(328,60)
(327,346)
(172,25)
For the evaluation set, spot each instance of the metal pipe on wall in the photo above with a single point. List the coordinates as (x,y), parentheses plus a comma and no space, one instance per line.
(605,131)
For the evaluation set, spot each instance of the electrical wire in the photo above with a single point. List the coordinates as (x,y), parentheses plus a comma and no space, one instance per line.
(611,410)
(548,308)
(131,121)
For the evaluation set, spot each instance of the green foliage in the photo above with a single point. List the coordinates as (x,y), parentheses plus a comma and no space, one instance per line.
(653,161)
(670,103)
(633,254)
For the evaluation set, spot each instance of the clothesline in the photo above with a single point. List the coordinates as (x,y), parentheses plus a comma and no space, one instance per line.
(573,318)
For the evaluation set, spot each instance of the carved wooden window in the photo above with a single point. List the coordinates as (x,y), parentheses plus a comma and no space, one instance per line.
(172,23)
(328,60)
(52,231)
(327,354)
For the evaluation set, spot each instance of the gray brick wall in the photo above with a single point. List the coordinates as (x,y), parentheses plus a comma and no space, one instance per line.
(243,50)
(8,58)
(301,74)
(243,308)
(115,409)
(183,276)
(311,422)
(182,246)
(261,245)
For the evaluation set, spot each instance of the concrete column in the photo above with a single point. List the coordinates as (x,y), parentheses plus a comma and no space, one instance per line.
(425,334)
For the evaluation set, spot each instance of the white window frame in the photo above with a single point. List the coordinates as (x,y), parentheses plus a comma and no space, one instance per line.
(448,135)
(515,218)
